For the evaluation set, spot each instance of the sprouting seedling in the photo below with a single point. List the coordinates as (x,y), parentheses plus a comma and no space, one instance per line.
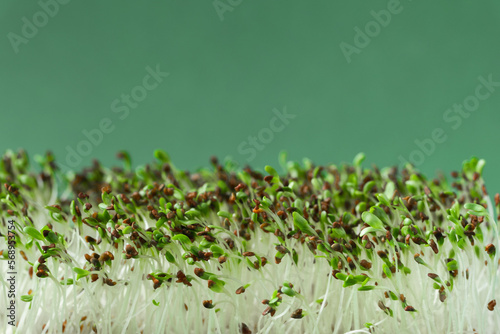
(156,247)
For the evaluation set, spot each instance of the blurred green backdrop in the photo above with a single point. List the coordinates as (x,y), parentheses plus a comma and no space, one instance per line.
(415,80)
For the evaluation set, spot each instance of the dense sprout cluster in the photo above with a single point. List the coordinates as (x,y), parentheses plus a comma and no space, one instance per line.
(314,249)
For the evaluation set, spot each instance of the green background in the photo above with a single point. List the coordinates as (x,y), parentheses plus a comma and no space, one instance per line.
(227,75)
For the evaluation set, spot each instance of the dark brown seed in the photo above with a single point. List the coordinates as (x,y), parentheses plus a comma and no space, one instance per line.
(409,309)
(82,196)
(240,186)
(337,247)
(110,282)
(297,314)
(106,256)
(282,249)
(208,304)
(491,305)
(130,250)
(419,240)
(267,310)
(365,264)
(240,290)
(181,278)
(431,275)
(199,272)
(490,249)
(433,246)
(156,283)
(248,254)
(382,254)
(244,329)
(90,240)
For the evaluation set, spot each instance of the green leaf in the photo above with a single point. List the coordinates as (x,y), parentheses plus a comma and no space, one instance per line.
(224,214)
(480,166)
(338,233)
(170,258)
(80,272)
(52,209)
(69,281)
(389,189)
(193,213)
(182,238)
(349,281)
(383,199)
(368,230)
(393,295)
(161,222)
(372,220)
(341,276)
(419,260)
(127,230)
(72,208)
(366,288)
(33,232)
(52,237)
(288,291)
(380,213)
(361,207)
(368,186)
(387,271)
(295,256)
(271,171)
(26,298)
(302,224)
(358,159)
(217,250)
(162,156)
(452,265)
(218,286)
(476,209)
(266,202)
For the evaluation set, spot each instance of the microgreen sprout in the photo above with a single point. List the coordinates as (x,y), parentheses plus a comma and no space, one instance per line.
(158,249)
